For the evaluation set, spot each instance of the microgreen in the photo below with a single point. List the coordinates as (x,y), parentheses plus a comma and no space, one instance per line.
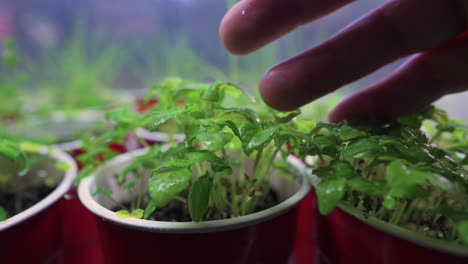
(223,166)
(409,172)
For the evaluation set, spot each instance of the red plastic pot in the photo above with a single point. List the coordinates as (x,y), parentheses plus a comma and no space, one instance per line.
(80,241)
(263,237)
(34,235)
(346,236)
(304,250)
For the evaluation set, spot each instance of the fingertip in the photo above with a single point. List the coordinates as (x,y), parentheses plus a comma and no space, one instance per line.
(234,30)
(356,106)
(274,90)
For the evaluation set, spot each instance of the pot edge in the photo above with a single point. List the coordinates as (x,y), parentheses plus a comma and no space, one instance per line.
(55,195)
(191,227)
(399,232)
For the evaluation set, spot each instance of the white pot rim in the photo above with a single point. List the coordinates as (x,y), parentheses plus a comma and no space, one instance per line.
(156,136)
(69,146)
(55,195)
(399,232)
(84,193)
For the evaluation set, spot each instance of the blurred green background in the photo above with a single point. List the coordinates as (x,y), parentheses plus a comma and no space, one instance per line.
(95,54)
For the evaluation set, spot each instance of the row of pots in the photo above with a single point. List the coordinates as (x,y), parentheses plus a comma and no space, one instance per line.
(344,236)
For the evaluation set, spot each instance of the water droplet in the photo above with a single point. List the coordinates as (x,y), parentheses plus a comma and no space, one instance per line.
(243,12)
(68,196)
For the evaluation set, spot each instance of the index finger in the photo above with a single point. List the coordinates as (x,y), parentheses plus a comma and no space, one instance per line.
(251,24)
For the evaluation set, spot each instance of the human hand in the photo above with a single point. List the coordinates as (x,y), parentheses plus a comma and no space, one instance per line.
(434,30)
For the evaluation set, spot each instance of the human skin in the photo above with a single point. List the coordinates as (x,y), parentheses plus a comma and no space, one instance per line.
(434,32)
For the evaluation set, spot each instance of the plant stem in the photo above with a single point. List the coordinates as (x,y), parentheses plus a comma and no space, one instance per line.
(400,211)
(140,192)
(180,198)
(225,156)
(257,161)
(272,159)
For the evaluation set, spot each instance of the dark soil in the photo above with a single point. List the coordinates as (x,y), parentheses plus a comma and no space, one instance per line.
(177,211)
(16,203)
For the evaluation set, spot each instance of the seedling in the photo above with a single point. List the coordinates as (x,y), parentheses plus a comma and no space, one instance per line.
(411,177)
(224,165)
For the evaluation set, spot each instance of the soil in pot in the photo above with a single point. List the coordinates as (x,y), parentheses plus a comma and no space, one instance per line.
(177,211)
(19,192)
(31,232)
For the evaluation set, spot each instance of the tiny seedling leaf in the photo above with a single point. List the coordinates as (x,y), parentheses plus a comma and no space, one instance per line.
(138,213)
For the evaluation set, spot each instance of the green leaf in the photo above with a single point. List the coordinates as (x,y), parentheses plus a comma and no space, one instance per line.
(188,95)
(199,196)
(322,125)
(389,202)
(324,172)
(123,116)
(287,116)
(329,193)
(3,214)
(371,188)
(150,208)
(346,133)
(12,151)
(158,118)
(399,174)
(418,154)
(304,126)
(190,158)
(234,128)
(361,149)
(342,169)
(218,90)
(215,141)
(462,229)
(129,185)
(261,139)
(237,115)
(212,93)
(414,136)
(408,191)
(164,186)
